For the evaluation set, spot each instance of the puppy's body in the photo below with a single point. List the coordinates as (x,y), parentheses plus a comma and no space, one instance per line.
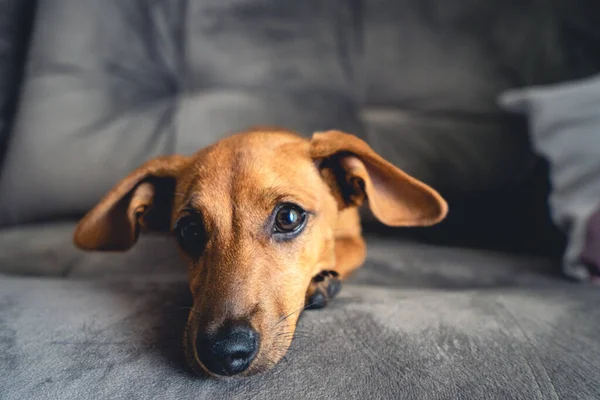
(268,223)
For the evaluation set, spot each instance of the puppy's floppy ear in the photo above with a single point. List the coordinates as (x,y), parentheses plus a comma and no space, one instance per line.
(359,173)
(142,200)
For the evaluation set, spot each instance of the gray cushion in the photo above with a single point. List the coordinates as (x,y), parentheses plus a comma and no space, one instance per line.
(15,24)
(112,83)
(48,250)
(433,70)
(565,128)
(442,56)
(458,156)
(416,322)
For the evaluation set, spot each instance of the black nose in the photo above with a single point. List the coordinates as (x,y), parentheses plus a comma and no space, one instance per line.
(230,351)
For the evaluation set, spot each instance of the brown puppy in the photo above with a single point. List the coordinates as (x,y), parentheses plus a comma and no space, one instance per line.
(268,223)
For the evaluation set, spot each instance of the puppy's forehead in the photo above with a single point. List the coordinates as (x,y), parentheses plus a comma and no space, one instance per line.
(255,169)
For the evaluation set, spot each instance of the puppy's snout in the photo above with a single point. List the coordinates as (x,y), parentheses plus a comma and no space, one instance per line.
(230,351)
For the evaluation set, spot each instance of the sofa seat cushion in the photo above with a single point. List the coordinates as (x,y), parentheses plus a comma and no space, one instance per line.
(121,338)
(417,321)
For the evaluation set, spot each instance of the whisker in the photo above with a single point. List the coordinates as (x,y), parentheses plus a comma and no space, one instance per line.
(288,336)
(289,350)
(309,305)
(301,332)
(287,316)
(273,363)
(294,312)
(293,335)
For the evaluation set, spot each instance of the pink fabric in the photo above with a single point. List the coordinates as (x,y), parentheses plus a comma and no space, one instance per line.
(591,250)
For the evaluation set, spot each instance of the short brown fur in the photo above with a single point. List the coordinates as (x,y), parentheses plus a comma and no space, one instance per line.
(235,185)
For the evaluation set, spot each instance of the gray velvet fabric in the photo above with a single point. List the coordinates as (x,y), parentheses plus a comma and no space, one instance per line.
(112,83)
(565,128)
(416,321)
(15,25)
(433,70)
(48,251)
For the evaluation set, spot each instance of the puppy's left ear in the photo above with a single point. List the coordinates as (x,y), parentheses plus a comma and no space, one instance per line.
(142,200)
(356,172)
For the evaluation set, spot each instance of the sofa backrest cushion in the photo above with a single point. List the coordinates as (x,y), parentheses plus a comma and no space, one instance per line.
(112,83)
(16,18)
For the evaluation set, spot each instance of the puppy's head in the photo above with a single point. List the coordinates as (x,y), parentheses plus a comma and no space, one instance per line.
(254,216)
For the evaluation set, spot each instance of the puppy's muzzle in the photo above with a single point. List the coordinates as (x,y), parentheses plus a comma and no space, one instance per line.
(230,351)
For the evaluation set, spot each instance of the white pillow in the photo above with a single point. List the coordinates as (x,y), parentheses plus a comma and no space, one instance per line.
(564,121)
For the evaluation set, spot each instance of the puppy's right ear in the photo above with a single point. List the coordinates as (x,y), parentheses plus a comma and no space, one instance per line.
(143,200)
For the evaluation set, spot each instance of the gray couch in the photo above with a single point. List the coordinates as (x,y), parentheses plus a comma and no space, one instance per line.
(451,312)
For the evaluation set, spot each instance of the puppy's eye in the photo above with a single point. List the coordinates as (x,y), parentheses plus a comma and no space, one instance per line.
(190,235)
(289,219)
